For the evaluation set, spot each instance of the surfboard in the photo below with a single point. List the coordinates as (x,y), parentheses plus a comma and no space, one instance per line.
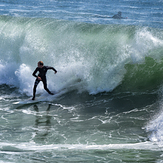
(42,98)
(30,101)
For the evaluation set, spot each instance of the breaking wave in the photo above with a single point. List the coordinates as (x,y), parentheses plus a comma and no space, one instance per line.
(89,57)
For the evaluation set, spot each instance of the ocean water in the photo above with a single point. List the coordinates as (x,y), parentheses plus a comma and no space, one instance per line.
(110,79)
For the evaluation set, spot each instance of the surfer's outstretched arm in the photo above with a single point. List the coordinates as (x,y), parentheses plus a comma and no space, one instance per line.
(52,68)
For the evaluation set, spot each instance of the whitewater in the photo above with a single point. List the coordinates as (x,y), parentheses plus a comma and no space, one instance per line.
(110,75)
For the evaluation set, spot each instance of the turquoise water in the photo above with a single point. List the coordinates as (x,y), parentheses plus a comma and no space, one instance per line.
(109,108)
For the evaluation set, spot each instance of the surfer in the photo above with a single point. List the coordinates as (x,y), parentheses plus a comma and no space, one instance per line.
(118,16)
(41,77)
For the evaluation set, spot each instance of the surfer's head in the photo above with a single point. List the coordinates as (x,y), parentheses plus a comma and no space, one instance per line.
(119,13)
(40,64)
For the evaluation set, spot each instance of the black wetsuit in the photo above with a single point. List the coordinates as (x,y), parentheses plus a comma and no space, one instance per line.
(42,73)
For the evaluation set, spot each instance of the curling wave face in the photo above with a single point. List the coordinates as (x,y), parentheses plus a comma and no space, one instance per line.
(88,57)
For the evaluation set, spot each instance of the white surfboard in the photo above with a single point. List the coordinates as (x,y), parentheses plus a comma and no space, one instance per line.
(43,98)
(29,101)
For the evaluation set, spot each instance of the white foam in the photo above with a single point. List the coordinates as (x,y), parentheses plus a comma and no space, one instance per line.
(31,146)
(155,125)
(143,42)
(24,77)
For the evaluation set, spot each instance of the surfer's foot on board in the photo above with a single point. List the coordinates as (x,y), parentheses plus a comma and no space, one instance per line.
(49,93)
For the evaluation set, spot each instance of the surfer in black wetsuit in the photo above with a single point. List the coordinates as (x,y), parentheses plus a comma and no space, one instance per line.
(41,77)
(118,16)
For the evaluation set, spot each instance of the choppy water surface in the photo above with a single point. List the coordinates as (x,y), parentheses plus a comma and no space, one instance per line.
(109,105)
